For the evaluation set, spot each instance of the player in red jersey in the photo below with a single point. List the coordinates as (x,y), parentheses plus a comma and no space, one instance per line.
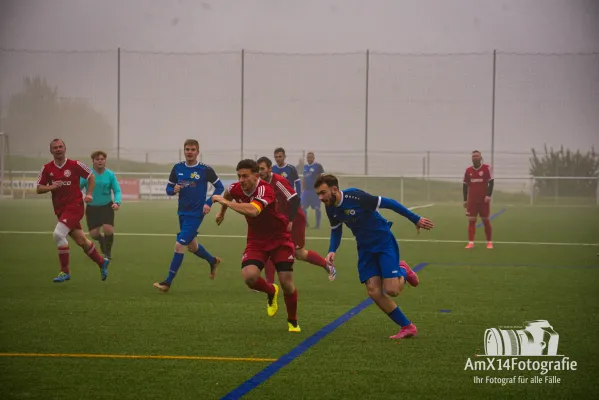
(61,177)
(478,188)
(267,238)
(288,203)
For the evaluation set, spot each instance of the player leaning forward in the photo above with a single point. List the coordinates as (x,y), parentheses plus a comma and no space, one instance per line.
(62,177)
(379,265)
(267,238)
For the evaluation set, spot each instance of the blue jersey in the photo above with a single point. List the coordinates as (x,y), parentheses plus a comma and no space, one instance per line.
(290,173)
(311,173)
(194,181)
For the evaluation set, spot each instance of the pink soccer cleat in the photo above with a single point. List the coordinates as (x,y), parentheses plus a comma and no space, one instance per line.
(489,245)
(470,245)
(411,276)
(405,332)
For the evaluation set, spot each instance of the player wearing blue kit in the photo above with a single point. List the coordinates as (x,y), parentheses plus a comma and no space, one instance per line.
(312,171)
(189,179)
(287,171)
(379,265)
(99,214)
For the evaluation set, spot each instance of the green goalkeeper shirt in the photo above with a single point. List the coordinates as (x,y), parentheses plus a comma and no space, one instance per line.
(106,185)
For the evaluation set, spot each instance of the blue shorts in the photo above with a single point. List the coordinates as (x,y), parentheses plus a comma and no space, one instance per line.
(188,226)
(310,199)
(383,262)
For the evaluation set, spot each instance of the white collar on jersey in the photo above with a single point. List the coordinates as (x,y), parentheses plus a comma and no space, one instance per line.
(282,166)
(191,166)
(60,167)
(340,201)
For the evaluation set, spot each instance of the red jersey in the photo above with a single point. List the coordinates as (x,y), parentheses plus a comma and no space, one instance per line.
(477,180)
(69,194)
(270,226)
(283,192)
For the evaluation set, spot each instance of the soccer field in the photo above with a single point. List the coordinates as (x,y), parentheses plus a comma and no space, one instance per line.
(122,339)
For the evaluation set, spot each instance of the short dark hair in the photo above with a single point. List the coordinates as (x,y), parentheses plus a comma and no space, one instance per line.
(265,160)
(191,142)
(98,153)
(329,179)
(279,150)
(248,164)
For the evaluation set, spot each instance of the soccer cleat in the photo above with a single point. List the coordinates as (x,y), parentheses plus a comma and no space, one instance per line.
(271,304)
(214,266)
(104,269)
(163,286)
(405,332)
(293,326)
(470,245)
(332,271)
(411,276)
(62,276)
(489,245)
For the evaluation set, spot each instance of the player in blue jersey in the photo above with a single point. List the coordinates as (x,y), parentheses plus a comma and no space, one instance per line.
(379,265)
(189,179)
(287,171)
(312,171)
(99,214)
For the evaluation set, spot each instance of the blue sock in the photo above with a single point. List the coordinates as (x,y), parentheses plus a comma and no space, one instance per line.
(317,211)
(203,253)
(175,265)
(399,318)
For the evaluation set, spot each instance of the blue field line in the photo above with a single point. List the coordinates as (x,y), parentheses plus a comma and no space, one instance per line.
(301,348)
(492,217)
(465,264)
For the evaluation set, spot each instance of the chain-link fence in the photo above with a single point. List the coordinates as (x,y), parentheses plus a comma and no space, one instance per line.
(361,113)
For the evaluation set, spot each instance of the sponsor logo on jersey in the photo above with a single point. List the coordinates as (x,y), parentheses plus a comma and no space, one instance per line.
(194,175)
(67,173)
(477,180)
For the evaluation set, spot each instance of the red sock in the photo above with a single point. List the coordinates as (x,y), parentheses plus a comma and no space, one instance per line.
(63,256)
(488,229)
(95,256)
(471,230)
(316,259)
(262,286)
(269,271)
(291,303)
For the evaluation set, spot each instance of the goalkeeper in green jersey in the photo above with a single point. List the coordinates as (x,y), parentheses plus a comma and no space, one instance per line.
(107,199)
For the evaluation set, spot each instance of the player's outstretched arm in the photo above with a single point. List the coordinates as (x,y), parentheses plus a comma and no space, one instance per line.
(218,190)
(399,208)
(220,217)
(252,209)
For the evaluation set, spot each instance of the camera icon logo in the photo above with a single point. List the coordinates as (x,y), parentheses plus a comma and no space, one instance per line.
(537,338)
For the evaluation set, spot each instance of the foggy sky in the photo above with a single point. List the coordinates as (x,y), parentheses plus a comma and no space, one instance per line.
(417,103)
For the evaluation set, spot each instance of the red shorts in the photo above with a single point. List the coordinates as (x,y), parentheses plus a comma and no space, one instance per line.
(475,208)
(284,252)
(298,231)
(71,216)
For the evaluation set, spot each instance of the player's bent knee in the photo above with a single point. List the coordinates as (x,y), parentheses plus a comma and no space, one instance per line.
(472,219)
(60,234)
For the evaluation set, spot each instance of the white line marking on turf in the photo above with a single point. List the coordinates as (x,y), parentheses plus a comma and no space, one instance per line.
(313,238)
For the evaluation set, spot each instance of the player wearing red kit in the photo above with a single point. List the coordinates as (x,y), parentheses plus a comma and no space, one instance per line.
(61,177)
(478,188)
(267,238)
(288,203)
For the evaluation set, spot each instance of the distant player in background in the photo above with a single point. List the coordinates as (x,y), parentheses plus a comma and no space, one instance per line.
(100,212)
(312,170)
(287,171)
(288,203)
(379,265)
(62,177)
(478,188)
(267,238)
(189,179)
